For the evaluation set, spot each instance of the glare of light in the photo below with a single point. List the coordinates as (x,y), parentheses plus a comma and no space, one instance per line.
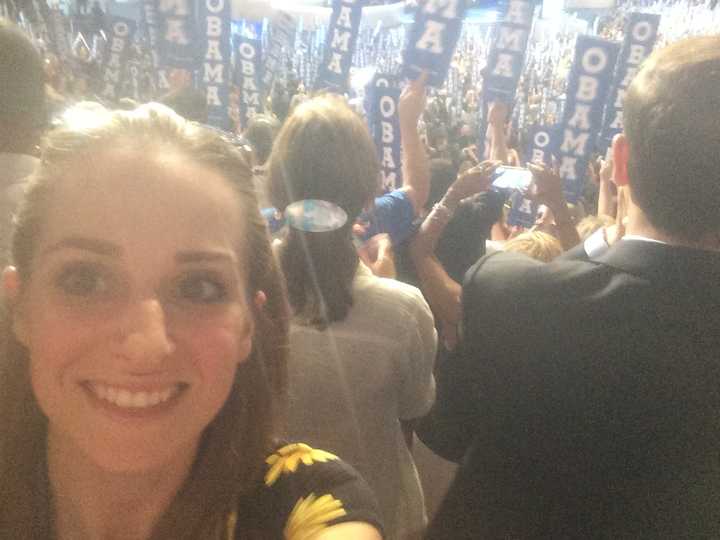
(361,77)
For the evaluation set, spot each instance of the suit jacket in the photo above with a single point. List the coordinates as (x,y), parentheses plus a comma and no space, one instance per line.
(586,397)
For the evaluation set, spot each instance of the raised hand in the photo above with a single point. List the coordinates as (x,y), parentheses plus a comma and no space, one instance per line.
(413,100)
(547,186)
(475,180)
(497,115)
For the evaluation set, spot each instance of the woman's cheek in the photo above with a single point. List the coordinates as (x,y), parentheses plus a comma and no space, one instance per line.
(225,343)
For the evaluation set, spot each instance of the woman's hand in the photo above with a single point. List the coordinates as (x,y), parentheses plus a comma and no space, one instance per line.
(547,186)
(475,180)
(379,256)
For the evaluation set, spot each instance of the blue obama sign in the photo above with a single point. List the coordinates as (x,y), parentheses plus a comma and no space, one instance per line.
(385,127)
(541,144)
(177,42)
(640,35)
(113,72)
(340,43)
(507,55)
(216,63)
(432,39)
(587,92)
(248,77)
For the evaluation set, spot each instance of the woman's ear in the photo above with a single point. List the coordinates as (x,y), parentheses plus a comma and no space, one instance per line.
(11,295)
(10,284)
(621,154)
(260,300)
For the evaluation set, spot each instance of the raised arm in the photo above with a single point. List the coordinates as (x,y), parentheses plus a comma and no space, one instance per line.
(416,167)
(441,291)
(548,190)
(497,117)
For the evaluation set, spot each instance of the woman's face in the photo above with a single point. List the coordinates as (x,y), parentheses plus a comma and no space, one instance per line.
(136,315)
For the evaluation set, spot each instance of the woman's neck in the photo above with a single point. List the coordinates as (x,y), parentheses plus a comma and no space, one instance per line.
(90,503)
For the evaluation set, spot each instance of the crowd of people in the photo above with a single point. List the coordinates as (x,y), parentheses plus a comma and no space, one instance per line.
(238,335)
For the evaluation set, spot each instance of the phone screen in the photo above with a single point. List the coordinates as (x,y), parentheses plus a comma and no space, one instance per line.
(512,178)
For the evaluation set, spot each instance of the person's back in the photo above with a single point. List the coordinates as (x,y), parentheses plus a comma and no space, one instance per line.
(352,383)
(601,420)
(362,348)
(585,393)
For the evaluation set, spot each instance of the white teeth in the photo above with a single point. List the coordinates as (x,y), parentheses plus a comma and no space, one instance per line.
(124,399)
(132,400)
(140,400)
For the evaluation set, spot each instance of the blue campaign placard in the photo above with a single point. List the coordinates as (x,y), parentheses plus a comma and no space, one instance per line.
(178,41)
(522,211)
(217,61)
(542,141)
(115,58)
(384,123)
(334,72)
(587,92)
(506,60)
(152,34)
(282,35)
(432,39)
(248,77)
(507,52)
(640,36)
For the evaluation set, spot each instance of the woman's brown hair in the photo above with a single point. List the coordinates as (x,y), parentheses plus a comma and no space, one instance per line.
(324,151)
(233,447)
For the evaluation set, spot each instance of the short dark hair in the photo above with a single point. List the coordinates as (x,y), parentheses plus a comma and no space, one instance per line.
(672,123)
(190,103)
(22,79)
(260,133)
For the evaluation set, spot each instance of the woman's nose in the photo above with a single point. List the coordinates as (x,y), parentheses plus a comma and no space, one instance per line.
(146,341)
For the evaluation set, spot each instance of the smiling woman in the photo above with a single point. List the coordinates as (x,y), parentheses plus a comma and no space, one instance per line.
(142,362)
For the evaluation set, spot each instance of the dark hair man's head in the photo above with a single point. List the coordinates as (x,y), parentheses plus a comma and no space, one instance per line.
(260,133)
(672,125)
(188,102)
(23,112)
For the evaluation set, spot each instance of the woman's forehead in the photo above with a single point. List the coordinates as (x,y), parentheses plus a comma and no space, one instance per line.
(145,199)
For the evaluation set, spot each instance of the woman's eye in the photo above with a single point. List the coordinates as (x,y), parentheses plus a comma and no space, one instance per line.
(83,281)
(202,289)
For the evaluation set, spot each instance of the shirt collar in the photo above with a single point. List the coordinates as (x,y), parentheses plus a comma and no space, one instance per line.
(642,238)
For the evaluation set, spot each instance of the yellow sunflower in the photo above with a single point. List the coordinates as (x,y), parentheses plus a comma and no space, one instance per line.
(311,515)
(288,458)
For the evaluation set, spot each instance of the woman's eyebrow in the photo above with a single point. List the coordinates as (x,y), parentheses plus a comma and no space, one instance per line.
(94,245)
(206,256)
(109,249)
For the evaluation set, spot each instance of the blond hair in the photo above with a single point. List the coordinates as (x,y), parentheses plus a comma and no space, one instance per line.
(537,244)
(590,224)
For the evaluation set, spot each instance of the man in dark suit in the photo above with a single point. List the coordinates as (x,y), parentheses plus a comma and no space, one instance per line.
(585,395)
